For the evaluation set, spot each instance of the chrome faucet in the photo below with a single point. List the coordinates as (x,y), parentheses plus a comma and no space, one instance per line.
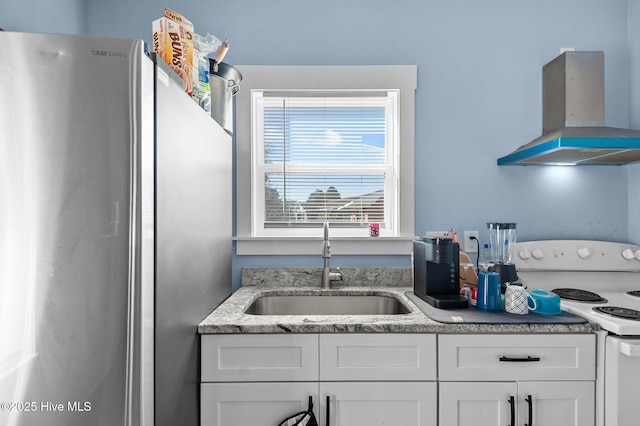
(327,275)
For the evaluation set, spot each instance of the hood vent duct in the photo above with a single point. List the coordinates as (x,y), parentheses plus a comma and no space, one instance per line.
(573,119)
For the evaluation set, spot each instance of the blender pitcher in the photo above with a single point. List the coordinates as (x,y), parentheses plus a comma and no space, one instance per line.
(508,241)
(502,237)
(494,246)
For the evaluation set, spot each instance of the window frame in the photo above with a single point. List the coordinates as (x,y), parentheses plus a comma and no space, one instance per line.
(387,99)
(326,78)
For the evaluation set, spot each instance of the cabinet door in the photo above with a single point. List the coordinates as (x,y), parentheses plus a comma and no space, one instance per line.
(478,404)
(245,404)
(557,403)
(379,403)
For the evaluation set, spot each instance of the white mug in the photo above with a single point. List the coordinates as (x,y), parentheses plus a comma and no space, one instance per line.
(516,300)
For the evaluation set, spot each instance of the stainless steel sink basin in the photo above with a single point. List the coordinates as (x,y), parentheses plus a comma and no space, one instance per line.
(327,305)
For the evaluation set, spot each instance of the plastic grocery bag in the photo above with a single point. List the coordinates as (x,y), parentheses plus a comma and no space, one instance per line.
(303,418)
(203,46)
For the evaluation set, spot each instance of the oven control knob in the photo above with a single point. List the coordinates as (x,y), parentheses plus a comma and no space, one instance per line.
(524,254)
(537,253)
(637,254)
(584,253)
(628,254)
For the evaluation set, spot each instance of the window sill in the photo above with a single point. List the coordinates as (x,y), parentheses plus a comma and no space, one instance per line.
(313,246)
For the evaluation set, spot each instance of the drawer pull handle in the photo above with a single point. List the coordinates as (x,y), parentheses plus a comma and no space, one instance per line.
(527,359)
(530,403)
(512,403)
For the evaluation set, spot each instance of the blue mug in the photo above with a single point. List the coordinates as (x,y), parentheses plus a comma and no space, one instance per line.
(489,297)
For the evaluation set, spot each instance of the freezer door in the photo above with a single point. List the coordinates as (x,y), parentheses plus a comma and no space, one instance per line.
(67,151)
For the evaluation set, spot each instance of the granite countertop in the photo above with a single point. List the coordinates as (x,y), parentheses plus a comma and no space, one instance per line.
(230,316)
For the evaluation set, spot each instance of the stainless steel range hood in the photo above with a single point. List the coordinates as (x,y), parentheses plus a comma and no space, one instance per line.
(573,119)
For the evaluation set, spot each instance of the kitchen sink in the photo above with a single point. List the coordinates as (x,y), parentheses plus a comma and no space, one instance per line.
(327,305)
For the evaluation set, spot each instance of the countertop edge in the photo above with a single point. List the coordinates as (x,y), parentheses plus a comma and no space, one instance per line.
(229,317)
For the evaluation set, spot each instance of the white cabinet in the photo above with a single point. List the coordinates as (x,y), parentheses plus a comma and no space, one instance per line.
(477,404)
(379,403)
(378,357)
(519,380)
(496,357)
(237,404)
(259,358)
(385,379)
(494,403)
(400,379)
(366,379)
(570,403)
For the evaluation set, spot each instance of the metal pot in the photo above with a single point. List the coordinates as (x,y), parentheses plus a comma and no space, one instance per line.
(224,81)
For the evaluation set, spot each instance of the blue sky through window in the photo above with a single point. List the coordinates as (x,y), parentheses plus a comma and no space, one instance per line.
(349,137)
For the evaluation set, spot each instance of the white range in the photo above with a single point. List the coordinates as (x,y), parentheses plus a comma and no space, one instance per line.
(599,281)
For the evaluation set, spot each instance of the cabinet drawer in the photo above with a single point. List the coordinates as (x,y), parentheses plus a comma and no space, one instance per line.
(378,357)
(517,357)
(259,357)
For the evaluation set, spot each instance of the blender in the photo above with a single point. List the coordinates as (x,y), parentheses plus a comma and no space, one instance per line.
(502,239)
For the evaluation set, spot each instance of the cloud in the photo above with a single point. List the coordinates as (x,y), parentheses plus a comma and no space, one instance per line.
(332,137)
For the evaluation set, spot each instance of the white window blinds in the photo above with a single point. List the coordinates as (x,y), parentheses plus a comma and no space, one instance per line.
(325,157)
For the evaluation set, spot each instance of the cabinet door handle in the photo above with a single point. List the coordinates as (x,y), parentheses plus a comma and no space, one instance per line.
(529,358)
(512,403)
(530,403)
(328,409)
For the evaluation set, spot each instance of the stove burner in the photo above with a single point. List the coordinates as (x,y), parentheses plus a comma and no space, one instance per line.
(579,295)
(618,312)
(635,293)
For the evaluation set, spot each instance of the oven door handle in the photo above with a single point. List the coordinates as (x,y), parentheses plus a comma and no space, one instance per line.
(629,349)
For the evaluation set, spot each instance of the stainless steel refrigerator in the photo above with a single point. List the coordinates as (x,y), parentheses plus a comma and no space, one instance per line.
(115,234)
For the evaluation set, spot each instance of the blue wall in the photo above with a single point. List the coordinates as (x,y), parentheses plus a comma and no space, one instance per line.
(43,16)
(478,97)
(634,170)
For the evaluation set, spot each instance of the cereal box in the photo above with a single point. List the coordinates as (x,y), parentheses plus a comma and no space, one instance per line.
(173,42)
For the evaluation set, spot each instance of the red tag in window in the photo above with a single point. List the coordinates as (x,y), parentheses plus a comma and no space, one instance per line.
(374,229)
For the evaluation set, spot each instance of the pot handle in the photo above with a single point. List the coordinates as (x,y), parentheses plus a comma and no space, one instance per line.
(233,86)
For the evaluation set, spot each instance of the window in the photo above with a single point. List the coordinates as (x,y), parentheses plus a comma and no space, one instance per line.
(316,143)
(322,156)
